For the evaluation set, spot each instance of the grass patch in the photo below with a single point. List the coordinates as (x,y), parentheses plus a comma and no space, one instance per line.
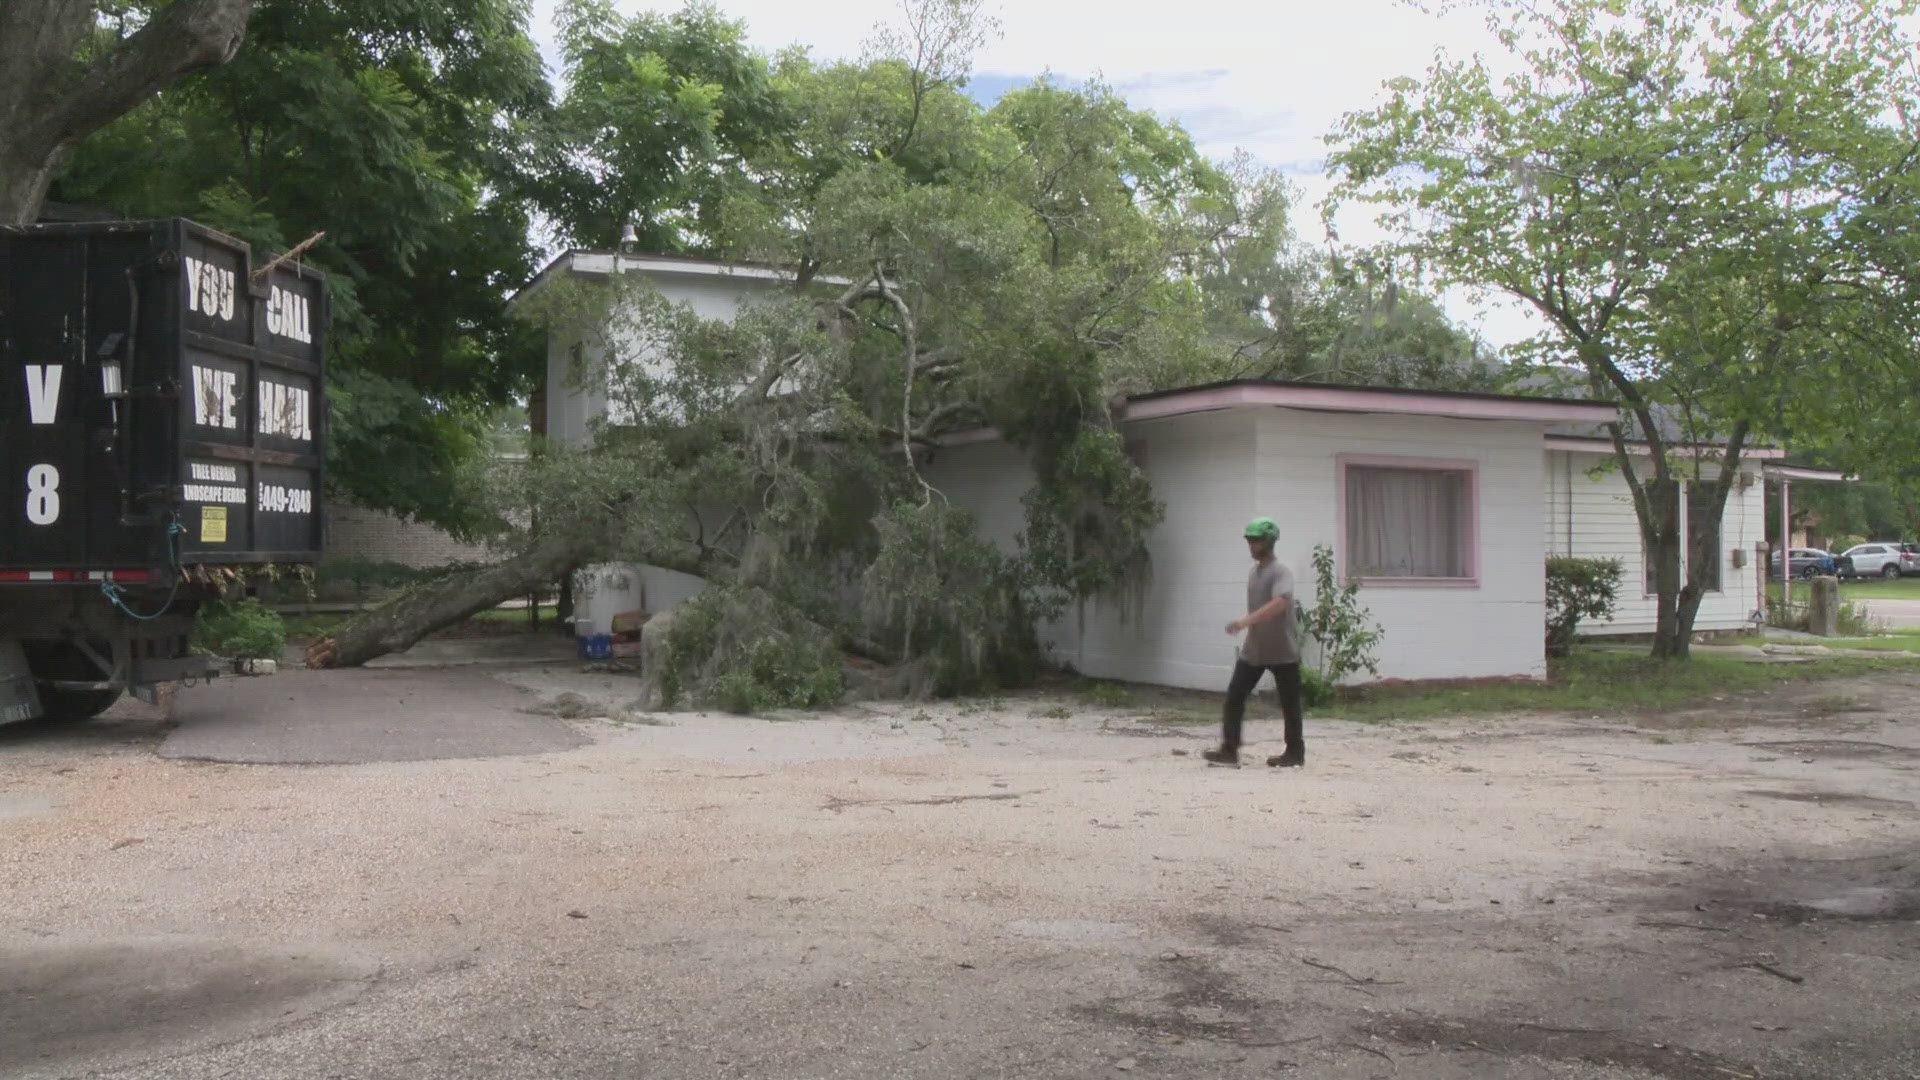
(1903,640)
(493,622)
(1878,589)
(1108,695)
(302,629)
(1591,682)
(1605,683)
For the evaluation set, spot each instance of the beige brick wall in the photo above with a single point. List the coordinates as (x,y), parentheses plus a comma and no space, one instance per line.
(357,532)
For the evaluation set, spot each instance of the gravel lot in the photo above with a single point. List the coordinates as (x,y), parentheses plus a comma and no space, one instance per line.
(973,890)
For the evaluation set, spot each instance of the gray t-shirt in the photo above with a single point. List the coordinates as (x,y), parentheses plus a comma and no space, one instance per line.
(1276,641)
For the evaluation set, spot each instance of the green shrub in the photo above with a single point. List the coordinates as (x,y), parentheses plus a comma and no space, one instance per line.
(1316,689)
(739,649)
(1853,621)
(1345,631)
(1577,589)
(945,596)
(1107,695)
(240,628)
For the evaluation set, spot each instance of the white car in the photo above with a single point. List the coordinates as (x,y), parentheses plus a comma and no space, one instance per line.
(1886,560)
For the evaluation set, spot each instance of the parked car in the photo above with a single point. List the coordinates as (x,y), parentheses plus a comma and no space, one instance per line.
(1883,559)
(1806,563)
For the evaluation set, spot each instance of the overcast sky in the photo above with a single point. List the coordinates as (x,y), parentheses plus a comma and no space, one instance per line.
(1268,78)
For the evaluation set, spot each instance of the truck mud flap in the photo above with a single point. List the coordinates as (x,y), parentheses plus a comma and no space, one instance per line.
(18,698)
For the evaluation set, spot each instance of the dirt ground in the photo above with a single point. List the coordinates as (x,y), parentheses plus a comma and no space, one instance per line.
(1030,888)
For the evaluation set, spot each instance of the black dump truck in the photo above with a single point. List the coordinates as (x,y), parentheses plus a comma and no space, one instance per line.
(161,426)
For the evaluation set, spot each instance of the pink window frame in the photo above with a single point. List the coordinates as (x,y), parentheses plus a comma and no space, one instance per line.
(1472,470)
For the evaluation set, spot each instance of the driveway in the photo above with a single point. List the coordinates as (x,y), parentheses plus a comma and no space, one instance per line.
(1025,887)
(1895,614)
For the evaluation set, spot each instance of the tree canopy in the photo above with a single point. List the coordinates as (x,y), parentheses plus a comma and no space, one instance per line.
(1711,204)
(397,129)
(69,67)
(658,116)
(954,267)
(950,265)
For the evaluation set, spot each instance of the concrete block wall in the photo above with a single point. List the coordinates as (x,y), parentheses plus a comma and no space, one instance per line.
(375,535)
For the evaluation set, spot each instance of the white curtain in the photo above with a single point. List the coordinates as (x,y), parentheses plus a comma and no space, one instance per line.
(1406,522)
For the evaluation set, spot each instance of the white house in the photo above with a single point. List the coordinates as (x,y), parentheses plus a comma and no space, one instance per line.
(1434,501)
(1590,514)
(1444,505)
(713,290)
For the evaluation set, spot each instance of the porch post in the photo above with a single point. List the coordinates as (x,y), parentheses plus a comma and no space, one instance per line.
(1786,544)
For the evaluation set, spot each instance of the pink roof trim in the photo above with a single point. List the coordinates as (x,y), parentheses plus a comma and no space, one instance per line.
(1364,400)
(1605,446)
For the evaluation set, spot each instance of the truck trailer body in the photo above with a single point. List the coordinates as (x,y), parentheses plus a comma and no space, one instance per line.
(162,422)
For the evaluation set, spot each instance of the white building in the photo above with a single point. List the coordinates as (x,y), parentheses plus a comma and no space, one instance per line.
(1434,501)
(1444,505)
(1590,514)
(576,394)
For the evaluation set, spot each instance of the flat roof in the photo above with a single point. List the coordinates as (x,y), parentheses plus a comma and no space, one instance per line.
(606,263)
(1593,444)
(1333,397)
(1796,472)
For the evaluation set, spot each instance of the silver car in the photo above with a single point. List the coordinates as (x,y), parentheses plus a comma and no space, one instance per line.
(1885,560)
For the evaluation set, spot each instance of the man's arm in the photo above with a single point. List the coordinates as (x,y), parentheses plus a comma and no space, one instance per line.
(1272,609)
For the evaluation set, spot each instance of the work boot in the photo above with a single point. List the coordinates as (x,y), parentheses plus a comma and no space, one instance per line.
(1295,757)
(1226,755)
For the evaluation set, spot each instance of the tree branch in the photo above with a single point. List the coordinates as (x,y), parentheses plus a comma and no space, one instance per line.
(180,38)
(769,375)
(929,428)
(946,356)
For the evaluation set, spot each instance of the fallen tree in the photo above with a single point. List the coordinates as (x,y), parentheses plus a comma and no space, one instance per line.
(947,268)
(400,623)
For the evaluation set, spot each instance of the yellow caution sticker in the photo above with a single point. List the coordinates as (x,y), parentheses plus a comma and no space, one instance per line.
(213,524)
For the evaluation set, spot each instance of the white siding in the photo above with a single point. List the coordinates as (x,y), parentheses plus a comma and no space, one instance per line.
(987,478)
(1490,630)
(1591,515)
(572,402)
(1215,471)
(577,400)
(1202,468)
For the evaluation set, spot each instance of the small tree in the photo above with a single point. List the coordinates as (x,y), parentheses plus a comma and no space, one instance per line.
(1344,630)
(1577,589)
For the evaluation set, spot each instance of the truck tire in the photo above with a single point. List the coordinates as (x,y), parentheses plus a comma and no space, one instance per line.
(73,706)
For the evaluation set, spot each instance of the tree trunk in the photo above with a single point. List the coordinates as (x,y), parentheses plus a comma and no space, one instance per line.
(50,99)
(399,623)
(1671,632)
(23,186)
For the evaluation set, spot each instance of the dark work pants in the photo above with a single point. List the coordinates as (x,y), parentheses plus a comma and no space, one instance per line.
(1247,676)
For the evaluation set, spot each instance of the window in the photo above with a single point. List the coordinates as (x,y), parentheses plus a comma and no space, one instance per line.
(1703,527)
(1704,524)
(1410,521)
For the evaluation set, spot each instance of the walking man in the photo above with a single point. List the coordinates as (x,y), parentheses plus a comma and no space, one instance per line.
(1272,626)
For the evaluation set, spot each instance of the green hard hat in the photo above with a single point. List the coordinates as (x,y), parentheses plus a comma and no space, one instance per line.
(1263,528)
